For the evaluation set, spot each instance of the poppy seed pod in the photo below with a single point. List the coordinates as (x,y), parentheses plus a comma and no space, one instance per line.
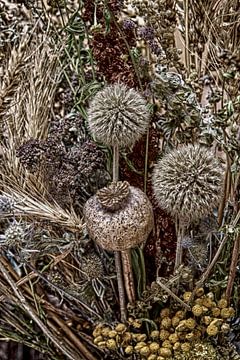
(118,115)
(119,217)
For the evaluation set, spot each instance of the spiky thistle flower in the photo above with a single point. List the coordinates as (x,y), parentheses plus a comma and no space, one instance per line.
(92,266)
(187,182)
(14,235)
(118,115)
(6,204)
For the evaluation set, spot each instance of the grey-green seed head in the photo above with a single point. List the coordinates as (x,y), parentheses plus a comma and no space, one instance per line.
(187,182)
(118,115)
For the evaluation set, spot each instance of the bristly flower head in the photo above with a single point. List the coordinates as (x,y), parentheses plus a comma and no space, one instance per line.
(118,115)
(187,182)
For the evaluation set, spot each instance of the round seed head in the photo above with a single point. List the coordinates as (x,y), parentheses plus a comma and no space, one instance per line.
(6,204)
(92,266)
(14,235)
(187,182)
(118,115)
(124,228)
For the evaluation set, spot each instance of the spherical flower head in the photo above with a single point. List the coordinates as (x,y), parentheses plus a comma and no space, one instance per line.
(187,182)
(118,115)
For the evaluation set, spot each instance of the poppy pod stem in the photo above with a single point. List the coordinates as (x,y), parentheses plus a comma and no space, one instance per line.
(128,275)
(126,268)
(117,254)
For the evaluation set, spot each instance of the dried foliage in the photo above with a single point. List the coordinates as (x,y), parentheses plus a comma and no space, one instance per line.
(167,70)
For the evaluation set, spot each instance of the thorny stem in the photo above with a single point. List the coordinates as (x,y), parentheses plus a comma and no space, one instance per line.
(233,268)
(29,310)
(117,254)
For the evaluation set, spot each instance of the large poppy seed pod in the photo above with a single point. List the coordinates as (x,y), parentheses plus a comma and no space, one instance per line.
(118,115)
(187,182)
(119,217)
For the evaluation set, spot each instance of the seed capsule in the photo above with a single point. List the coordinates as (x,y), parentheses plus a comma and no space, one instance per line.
(212,330)
(164,335)
(190,323)
(140,345)
(120,328)
(145,351)
(129,349)
(154,347)
(199,292)
(185,347)
(187,295)
(165,352)
(112,334)
(154,334)
(111,344)
(98,339)
(152,357)
(222,303)
(216,311)
(197,310)
(166,323)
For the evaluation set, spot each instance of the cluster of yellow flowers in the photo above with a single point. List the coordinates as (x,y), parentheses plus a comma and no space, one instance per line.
(177,332)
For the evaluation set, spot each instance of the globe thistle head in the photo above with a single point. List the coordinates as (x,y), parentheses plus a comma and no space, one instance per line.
(118,115)
(92,266)
(6,204)
(14,235)
(187,182)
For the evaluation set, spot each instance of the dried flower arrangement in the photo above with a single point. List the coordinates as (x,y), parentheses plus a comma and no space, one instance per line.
(120,143)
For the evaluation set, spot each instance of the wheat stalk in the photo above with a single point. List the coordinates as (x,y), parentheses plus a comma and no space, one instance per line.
(31,204)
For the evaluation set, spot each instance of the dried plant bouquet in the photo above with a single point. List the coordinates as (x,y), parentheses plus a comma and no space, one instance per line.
(120,179)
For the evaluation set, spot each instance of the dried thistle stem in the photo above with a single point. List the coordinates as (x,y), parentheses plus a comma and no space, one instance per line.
(117,254)
(233,267)
(180,232)
(215,259)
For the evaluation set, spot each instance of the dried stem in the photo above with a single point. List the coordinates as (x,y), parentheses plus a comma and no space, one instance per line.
(121,291)
(180,230)
(115,163)
(128,275)
(167,290)
(72,337)
(117,254)
(233,267)
(215,259)
(30,311)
